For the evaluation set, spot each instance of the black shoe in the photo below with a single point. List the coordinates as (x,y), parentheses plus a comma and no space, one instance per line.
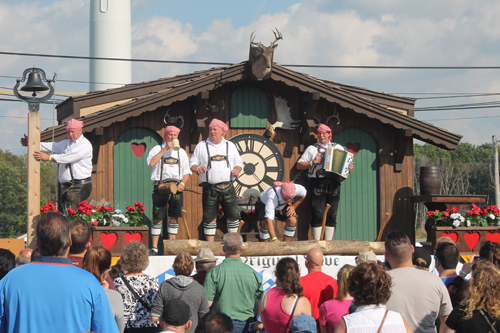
(153,252)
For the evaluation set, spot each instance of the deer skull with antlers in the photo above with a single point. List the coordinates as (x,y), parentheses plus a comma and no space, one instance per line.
(261,57)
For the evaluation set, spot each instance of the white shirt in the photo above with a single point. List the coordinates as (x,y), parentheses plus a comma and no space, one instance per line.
(219,171)
(367,319)
(170,170)
(77,153)
(274,202)
(310,155)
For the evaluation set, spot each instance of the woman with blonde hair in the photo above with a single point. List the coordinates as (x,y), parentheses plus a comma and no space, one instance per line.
(137,289)
(182,286)
(480,311)
(286,300)
(332,311)
(97,260)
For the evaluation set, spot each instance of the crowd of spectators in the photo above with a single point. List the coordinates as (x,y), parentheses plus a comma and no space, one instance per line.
(65,285)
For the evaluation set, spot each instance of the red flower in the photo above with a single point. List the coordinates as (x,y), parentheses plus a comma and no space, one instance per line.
(494,210)
(430,214)
(56,211)
(454,210)
(71,211)
(94,222)
(446,213)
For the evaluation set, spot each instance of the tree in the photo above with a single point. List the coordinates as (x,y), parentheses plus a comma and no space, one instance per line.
(13,193)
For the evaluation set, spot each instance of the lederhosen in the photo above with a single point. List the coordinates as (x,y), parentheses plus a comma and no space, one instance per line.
(322,191)
(76,190)
(174,201)
(222,194)
(280,214)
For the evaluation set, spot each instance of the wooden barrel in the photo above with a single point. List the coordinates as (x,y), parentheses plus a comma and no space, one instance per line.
(430,180)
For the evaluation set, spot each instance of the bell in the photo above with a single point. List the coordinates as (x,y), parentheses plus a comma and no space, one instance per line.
(34,83)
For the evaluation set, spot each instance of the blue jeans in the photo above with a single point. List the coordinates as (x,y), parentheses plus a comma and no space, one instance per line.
(240,326)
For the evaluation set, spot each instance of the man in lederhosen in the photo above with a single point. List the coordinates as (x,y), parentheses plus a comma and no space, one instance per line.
(279,202)
(169,166)
(322,189)
(218,163)
(74,156)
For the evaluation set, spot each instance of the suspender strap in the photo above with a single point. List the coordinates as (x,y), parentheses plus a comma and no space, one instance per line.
(209,165)
(178,164)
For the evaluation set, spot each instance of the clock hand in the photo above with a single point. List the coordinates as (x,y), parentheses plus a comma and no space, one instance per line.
(256,177)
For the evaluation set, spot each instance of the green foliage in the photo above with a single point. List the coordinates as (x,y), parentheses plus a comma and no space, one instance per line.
(13,193)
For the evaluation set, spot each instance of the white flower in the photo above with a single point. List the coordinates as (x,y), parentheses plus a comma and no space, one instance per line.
(462,220)
(455,216)
(456,223)
(468,223)
(116,223)
(104,221)
(491,216)
(118,211)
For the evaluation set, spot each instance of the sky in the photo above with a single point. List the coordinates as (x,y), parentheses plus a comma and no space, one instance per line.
(315,32)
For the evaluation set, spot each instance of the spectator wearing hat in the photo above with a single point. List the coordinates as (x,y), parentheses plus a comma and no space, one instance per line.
(366,256)
(218,163)
(74,156)
(182,286)
(280,202)
(323,190)
(175,317)
(421,259)
(204,261)
(169,165)
(303,324)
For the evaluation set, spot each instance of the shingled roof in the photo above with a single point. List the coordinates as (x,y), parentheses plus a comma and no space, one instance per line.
(134,99)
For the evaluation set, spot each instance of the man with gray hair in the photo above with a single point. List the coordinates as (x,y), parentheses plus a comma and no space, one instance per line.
(50,294)
(232,287)
(24,257)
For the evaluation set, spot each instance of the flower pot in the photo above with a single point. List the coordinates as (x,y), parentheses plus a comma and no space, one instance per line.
(116,238)
(467,239)
(430,180)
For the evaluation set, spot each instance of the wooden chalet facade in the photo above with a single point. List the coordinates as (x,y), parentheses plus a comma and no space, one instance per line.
(123,124)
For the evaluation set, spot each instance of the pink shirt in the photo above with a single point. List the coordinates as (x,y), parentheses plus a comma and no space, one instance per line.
(273,315)
(331,312)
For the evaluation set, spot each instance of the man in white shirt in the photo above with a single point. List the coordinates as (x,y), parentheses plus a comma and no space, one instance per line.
(278,202)
(169,165)
(218,163)
(74,156)
(323,190)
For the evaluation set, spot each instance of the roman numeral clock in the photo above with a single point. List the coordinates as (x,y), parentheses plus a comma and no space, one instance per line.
(262,164)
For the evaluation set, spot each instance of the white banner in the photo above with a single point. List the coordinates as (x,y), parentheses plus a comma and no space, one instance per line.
(161,266)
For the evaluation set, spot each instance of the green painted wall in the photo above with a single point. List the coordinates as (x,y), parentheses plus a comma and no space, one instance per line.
(357,217)
(248,108)
(132,175)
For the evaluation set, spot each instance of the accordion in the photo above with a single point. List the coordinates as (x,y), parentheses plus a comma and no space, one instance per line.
(336,162)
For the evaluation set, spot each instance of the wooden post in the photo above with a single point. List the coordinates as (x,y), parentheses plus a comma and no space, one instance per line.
(495,165)
(33,178)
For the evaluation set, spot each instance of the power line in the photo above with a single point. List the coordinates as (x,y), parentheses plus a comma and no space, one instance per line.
(428,120)
(227,63)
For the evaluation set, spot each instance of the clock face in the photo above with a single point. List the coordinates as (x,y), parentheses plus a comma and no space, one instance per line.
(262,164)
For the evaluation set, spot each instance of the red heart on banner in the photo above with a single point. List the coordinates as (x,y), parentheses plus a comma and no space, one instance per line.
(353,147)
(493,237)
(452,235)
(472,238)
(138,149)
(132,236)
(108,240)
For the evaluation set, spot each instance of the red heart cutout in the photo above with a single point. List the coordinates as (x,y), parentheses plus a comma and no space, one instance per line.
(493,236)
(452,235)
(353,147)
(138,149)
(132,236)
(108,240)
(472,238)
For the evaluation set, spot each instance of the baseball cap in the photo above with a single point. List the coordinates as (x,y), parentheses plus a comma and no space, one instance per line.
(176,312)
(303,324)
(205,255)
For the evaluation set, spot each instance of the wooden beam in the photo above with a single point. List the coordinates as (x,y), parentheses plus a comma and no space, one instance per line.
(174,247)
(403,137)
(33,178)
